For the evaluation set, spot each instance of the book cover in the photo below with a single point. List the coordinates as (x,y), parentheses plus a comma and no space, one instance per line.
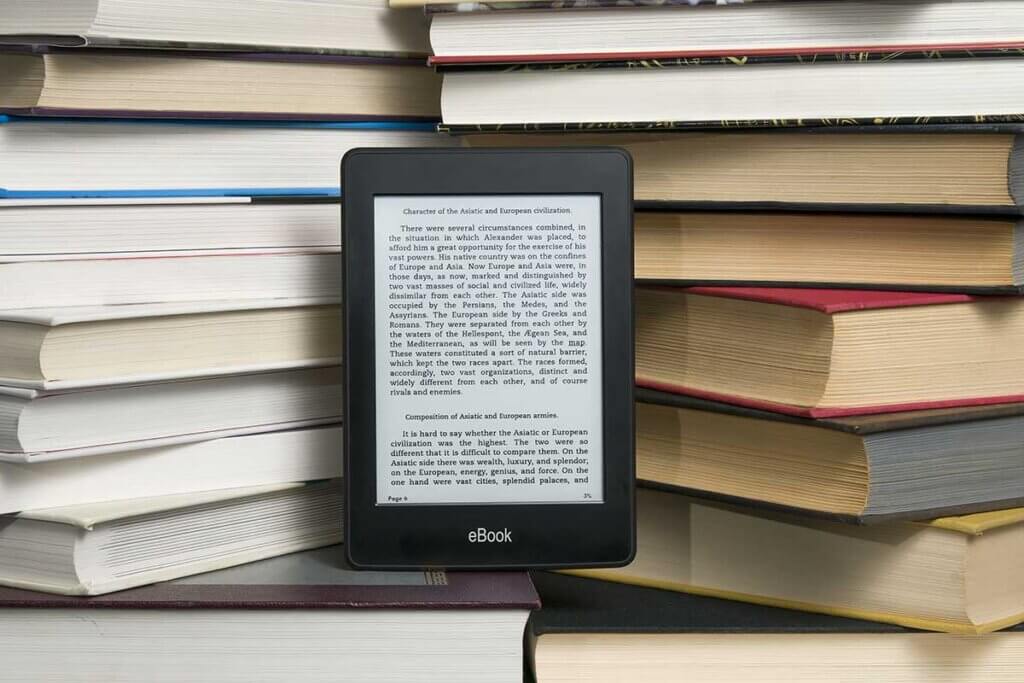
(410,83)
(317,579)
(860,425)
(573,604)
(831,302)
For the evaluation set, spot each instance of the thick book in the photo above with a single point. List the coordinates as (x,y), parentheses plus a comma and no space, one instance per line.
(603,632)
(41,424)
(69,229)
(78,346)
(854,250)
(177,278)
(158,157)
(659,33)
(733,95)
(301,617)
(166,84)
(822,353)
(953,574)
(346,26)
(863,469)
(232,462)
(858,168)
(105,547)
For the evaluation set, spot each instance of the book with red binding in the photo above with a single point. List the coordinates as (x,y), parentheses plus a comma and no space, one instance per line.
(821,353)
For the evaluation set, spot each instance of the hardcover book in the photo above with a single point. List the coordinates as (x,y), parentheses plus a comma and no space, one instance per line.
(172,84)
(70,229)
(953,574)
(924,91)
(865,469)
(277,457)
(105,547)
(866,251)
(861,169)
(187,157)
(650,32)
(78,346)
(41,424)
(304,616)
(826,353)
(212,277)
(346,26)
(604,632)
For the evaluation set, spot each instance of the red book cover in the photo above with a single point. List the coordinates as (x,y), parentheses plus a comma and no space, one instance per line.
(833,300)
(830,302)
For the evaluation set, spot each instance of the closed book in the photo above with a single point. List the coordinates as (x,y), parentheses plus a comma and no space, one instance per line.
(598,631)
(77,82)
(232,462)
(148,157)
(953,574)
(304,616)
(734,95)
(70,229)
(347,26)
(820,353)
(140,280)
(816,249)
(105,547)
(603,30)
(963,169)
(76,346)
(41,424)
(864,468)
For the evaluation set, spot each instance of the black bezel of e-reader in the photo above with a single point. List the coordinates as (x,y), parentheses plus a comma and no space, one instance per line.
(543,535)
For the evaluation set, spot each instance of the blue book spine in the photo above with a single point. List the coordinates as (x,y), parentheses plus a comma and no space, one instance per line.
(425,126)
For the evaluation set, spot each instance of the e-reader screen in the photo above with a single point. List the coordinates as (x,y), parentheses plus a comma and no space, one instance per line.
(488,349)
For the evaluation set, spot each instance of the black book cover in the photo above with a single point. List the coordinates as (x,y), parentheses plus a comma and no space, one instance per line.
(861,425)
(572,604)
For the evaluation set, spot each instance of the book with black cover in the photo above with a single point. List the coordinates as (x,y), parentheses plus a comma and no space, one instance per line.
(918,464)
(733,95)
(604,632)
(573,604)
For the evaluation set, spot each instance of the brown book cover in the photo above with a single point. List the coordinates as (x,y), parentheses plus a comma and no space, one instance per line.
(315,579)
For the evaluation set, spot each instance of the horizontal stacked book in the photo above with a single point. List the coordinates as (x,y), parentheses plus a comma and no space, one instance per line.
(828,328)
(170,388)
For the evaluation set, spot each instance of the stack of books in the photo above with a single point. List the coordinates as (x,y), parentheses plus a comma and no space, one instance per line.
(170,276)
(170,332)
(829,357)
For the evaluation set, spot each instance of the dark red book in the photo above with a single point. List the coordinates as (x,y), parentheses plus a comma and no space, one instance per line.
(820,353)
(304,616)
